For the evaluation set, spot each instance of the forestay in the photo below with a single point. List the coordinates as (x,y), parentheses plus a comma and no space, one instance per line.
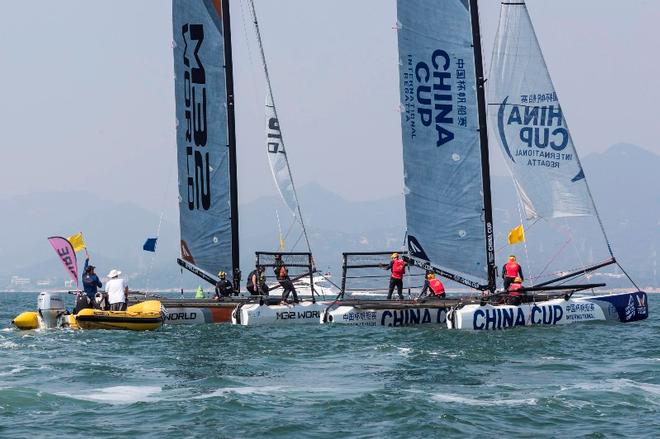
(531,129)
(202,129)
(441,145)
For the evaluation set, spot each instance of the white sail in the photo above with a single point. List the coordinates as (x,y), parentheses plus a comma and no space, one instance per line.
(531,129)
(277,157)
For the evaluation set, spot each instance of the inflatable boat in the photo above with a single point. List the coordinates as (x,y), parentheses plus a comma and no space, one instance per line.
(144,316)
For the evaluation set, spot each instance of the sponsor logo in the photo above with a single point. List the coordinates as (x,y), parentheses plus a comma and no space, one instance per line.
(274,136)
(362,318)
(434,95)
(179,316)
(297,315)
(405,317)
(533,132)
(195,118)
(641,304)
(630,310)
(502,318)
(68,261)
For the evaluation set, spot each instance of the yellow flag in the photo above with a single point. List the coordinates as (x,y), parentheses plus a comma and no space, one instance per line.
(516,235)
(77,242)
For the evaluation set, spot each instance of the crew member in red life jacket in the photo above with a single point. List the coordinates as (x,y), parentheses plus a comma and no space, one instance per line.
(433,285)
(511,271)
(514,293)
(398,267)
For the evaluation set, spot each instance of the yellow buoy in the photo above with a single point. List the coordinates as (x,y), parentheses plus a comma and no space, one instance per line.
(26,320)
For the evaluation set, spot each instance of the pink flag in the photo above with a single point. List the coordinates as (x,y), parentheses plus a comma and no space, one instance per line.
(64,250)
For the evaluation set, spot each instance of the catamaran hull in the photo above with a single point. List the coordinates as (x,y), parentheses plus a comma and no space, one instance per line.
(301,313)
(176,315)
(389,317)
(627,307)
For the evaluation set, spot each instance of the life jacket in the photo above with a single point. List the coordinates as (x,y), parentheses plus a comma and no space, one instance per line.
(437,287)
(250,284)
(513,289)
(398,268)
(512,269)
(199,294)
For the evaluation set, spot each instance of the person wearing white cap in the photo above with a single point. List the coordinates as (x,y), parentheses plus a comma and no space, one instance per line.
(117,289)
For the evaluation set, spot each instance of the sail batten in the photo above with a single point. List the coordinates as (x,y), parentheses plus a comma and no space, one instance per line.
(443,179)
(530,125)
(205,200)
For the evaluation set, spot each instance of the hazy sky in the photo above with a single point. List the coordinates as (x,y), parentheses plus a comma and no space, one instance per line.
(86,90)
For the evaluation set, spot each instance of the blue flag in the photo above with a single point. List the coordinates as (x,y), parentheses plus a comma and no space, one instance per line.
(150,245)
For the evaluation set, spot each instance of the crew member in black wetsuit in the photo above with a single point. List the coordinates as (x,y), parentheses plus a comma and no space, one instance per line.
(256,283)
(282,274)
(223,287)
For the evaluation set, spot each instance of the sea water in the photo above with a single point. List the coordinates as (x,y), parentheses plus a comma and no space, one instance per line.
(583,380)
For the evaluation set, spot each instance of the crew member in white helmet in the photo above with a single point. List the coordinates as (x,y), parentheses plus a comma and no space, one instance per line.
(117,289)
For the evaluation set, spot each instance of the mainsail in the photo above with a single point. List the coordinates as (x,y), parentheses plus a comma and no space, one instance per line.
(205,146)
(444,152)
(530,125)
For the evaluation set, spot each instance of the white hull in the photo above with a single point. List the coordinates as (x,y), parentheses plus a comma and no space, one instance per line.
(390,317)
(301,313)
(617,307)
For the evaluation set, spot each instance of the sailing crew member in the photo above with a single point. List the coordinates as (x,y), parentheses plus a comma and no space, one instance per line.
(117,289)
(91,283)
(515,296)
(199,294)
(223,287)
(511,271)
(282,274)
(256,283)
(433,285)
(398,268)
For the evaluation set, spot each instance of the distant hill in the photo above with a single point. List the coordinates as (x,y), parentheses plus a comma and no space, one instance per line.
(624,180)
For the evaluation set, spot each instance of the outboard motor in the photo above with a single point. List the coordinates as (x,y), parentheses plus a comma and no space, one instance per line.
(50,308)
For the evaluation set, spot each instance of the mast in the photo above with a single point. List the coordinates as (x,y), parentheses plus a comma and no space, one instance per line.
(231,142)
(483,134)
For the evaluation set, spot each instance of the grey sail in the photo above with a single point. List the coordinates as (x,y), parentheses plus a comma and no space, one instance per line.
(441,141)
(202,135)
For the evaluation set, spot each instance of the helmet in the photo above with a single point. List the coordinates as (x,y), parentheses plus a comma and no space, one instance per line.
(430,276)
(395,255)
(221,274)
(518,280)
